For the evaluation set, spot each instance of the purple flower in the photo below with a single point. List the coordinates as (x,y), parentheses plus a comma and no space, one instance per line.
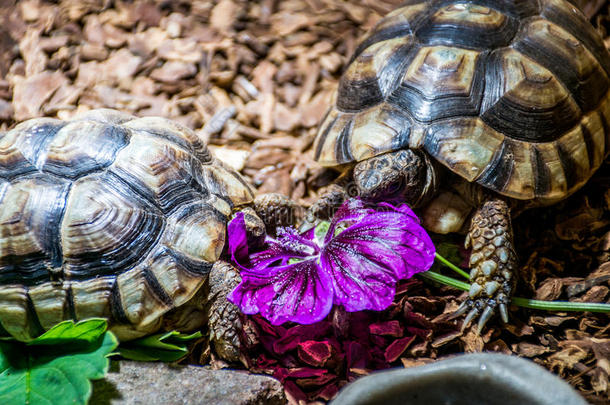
(356,264)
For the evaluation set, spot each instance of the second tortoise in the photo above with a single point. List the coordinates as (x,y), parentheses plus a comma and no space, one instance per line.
(117,217)
(477,105)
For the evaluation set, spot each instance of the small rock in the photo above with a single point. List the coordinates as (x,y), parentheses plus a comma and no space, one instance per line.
(157,383)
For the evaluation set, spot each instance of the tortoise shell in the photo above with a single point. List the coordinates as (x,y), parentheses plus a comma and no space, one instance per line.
(107,216)
(510,94)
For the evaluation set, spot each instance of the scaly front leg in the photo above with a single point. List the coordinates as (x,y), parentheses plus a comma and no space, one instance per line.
(224,317)
(492,262)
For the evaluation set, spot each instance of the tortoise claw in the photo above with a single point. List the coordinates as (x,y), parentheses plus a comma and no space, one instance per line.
(463,308)
(471,315)
(487,313)
(503,312)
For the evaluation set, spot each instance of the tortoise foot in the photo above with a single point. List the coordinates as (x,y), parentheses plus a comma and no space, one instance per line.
(492,262)
(483,308)
(224,318)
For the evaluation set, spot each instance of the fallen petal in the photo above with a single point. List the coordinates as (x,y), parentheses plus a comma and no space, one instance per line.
(306,372)
(297,292)
(327,393)
(294,392)
(357,356)
(389,328)
(397,348)
(315,353)
(301,333)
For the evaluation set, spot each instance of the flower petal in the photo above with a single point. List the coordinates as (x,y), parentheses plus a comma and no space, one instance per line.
(358,282)
(352,210)
(395,240)
(238,239)
(297,292)
(365,252)
(288,245)
(367,258)
(403,208)
(388,328)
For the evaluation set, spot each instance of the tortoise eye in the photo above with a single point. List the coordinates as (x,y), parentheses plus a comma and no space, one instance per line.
(395,187)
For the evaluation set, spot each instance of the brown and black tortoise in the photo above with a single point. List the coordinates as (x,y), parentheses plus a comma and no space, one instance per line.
(460,105)
(123,218)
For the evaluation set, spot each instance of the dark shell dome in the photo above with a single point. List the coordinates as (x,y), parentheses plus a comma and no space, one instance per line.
(107,216)
(510,94)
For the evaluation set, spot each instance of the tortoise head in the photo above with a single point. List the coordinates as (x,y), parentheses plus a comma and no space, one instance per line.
(405,175)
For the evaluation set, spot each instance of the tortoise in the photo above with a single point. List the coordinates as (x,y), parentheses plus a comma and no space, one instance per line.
(471,108)
(118,217)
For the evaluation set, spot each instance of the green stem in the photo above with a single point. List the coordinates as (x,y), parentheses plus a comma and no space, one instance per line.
(559,306)
(446,280)
(452,266)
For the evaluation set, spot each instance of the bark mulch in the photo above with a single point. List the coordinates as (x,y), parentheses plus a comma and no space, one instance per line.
(254,78)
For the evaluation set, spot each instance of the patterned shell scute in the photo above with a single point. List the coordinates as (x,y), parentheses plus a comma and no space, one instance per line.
(107,216)
(511,94)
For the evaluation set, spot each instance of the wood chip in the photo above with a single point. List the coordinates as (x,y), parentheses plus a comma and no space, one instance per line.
(29,94)
(174,71)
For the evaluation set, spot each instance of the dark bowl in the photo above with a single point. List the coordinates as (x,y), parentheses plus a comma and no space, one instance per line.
(481,378)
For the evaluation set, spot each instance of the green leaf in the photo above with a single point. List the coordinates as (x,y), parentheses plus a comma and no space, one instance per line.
(167,347)
(87,331)
(56,367)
